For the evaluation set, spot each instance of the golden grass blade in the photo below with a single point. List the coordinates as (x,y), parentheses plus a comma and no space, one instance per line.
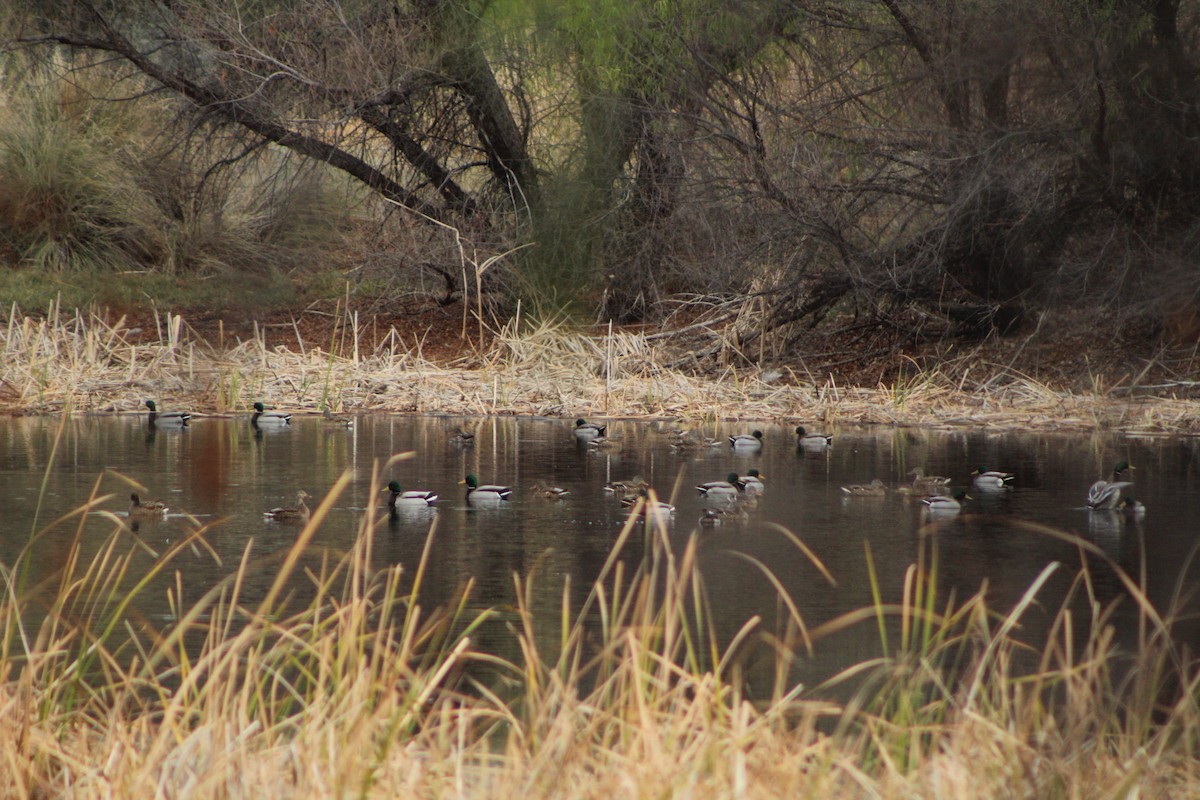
(789,603)
(309,530)
(1010,622)
(805,549)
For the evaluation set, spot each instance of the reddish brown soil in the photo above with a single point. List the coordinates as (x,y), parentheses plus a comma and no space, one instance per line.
(1074,351)
(437,331)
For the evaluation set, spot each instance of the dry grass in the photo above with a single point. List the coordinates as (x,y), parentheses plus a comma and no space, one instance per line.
(363,692)
(75,360)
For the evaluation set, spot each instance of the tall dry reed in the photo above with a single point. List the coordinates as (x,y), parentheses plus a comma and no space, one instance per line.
(76,359)
(338,681)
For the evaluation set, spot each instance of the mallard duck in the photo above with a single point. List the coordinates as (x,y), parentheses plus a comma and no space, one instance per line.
(413,498)
(985,478)
(337,419)
(875,488)
(601,442)
(1107,493)
(677,429)
(631,486)
(727,489)
(586,431)
(147,509)
(747,441)
(548,492)
(694,440)
(296,513)
(269,419)
(462,437)
(167,419)
(945,503)
(752,482)
(650,508)
(812,441)
(926,485)
(1134,509)
(486,493)
(712,517)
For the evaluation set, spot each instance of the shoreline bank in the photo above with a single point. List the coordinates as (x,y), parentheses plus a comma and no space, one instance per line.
(76,362)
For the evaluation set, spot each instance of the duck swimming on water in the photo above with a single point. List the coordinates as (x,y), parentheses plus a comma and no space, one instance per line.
(296,513)
(587,431)
(167,419)
(487,493)
(269,419)
(1107,493)
(747,441)
(412,498)
(145,509)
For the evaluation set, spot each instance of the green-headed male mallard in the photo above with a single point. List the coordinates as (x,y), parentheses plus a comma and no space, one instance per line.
(752,482)
(148,509)
(747,441)
(812,441)
(945,503)
(875,488)
(269,419)
(1107,493)
(167,419)
(296,513)
(727,489)
(985,478)
(485,494)
(1134,509)
(413,498)
(587,431)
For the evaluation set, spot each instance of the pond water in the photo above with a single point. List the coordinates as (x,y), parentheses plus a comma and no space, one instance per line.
(224,472)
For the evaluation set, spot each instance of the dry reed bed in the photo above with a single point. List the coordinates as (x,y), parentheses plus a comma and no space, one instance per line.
(361,692)
(694,749)
(77,361)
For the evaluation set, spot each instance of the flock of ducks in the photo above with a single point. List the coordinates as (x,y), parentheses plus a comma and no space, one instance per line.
(731,495)
(261,419)
(727,499)
(724,499)
(935,492)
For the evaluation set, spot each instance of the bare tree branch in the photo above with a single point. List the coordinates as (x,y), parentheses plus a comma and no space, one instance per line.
(236,110)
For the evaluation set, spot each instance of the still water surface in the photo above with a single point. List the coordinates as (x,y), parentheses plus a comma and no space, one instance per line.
(223,471)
